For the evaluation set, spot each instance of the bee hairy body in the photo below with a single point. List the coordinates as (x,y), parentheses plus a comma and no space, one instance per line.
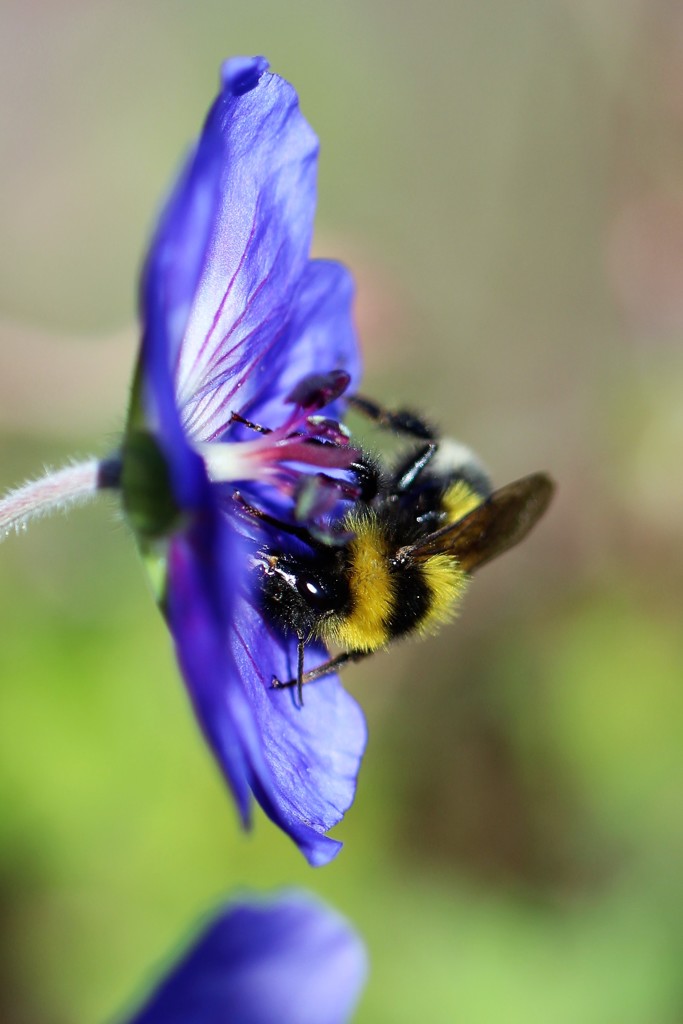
(361,596)
(390,597)
(405,550)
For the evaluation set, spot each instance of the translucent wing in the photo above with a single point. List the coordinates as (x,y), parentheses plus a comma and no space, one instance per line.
(502,521)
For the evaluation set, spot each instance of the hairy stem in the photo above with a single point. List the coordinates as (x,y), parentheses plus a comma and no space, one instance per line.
(56,491)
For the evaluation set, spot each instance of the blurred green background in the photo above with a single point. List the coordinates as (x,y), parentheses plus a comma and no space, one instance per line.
(505,180)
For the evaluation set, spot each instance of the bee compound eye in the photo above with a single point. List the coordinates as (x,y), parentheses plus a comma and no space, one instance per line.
(319,592)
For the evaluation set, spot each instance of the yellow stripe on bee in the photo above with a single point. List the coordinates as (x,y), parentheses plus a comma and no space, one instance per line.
(460,499)
(372,590)
(447,583)
(444,577)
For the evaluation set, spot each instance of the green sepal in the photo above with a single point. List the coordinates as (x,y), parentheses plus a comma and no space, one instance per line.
(154,555)
(147,493)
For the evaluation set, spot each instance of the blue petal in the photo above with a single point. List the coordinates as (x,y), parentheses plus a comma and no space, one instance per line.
(242,74)
(168,285)
(257,251)
(198,606)
(300,763)
(234,313)
(178,250)
(321,336)
(292,962)
(305,760)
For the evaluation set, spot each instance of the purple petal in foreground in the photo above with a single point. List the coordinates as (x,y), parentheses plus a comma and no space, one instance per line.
(291,961)
(305,761)
(199,604)
(301,763)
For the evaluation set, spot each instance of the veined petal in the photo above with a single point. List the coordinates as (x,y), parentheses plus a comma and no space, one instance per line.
(292,961)
(305,760)
(178,251)
(258,247)
(169,282)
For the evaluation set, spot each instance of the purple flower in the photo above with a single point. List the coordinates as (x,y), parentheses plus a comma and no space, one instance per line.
(238,319)
(292,961)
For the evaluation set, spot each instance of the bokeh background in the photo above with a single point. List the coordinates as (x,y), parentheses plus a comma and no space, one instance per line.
(506,181)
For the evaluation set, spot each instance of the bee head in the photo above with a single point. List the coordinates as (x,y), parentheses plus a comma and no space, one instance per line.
(298,592)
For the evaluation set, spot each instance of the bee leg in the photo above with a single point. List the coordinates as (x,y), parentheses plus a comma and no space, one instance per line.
(407,473)
(402,420)
(301,676)
(326,669)
(300,669)
(256,513)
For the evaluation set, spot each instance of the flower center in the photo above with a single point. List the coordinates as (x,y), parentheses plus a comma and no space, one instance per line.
(287,457)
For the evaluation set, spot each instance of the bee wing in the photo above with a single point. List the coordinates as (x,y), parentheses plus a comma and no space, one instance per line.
(502,521)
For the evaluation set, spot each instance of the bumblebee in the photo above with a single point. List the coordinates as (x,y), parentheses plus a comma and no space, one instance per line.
(409,545)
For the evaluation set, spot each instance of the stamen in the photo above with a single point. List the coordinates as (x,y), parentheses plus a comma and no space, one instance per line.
(316,498)
(228,461)
(305,439)
(330,430)
(317,390)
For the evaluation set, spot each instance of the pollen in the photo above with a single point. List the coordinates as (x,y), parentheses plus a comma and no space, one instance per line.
(364,627)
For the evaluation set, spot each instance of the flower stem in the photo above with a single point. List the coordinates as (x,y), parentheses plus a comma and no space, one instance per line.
(56,491)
